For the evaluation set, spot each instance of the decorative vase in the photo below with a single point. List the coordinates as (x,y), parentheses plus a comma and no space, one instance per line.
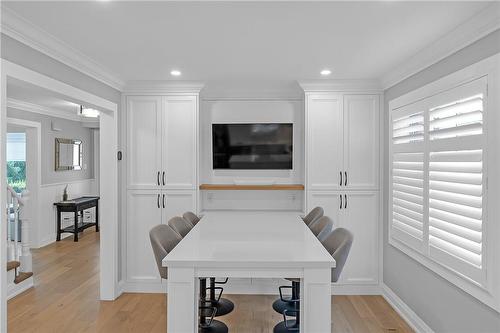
(65,193)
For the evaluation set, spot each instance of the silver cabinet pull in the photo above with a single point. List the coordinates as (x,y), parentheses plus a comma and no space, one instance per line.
(340,178)
(345,183)
(163,177)
(158,178)
(158,201)
(164,201)
(345,203)
(340,195)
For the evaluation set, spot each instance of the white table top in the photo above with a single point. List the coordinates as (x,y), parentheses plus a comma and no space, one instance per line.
(250,239)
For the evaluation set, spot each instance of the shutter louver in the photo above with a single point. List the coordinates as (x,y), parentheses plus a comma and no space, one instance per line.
(456,184)
(407,179)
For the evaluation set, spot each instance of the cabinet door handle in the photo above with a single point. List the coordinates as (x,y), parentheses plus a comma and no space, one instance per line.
(340,195)
(158,201)
(345,203)
(163,177)
(163,201)
(340,178)
(345,183)
(158,178)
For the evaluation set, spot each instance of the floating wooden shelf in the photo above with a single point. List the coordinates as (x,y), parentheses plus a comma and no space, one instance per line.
(232,187)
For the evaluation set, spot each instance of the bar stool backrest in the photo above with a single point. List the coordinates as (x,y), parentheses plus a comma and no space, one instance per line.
(313,215)
(163,240)
(191,218)
(338,244)
(181,226)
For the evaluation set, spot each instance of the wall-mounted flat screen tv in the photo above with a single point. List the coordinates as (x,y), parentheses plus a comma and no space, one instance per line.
(252,146)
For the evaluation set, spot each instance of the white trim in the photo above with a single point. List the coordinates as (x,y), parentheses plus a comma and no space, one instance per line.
(33,36)
(69,182)
(351,86)
(162,87)
(16,289)
(35,108)
(477,27)
(411,318)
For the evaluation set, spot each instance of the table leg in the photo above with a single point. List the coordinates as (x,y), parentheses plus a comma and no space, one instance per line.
(182,300)
(76,226)
(316,290)
(58,238)
(97,216)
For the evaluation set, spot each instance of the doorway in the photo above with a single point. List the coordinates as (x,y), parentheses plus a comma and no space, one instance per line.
(108,172)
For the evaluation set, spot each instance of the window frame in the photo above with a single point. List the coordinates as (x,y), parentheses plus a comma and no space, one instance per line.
(488,291)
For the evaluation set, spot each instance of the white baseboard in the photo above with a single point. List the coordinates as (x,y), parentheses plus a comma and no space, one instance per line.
(355,289)
(15,289)
(413,320)
(247,287)
(143,287)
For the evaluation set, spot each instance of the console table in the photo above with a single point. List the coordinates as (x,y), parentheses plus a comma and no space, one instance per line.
(75,206)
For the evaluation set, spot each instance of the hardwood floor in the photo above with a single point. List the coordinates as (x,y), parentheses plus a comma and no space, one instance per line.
(65,299)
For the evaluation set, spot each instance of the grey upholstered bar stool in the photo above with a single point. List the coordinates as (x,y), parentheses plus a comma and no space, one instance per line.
(322,227)
(181,226)
(191,218)
(313,215)
(338,243)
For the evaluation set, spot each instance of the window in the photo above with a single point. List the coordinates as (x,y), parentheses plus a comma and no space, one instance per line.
(16,161)
(438,184)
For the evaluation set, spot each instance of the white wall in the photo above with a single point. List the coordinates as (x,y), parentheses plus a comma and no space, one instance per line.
(442,305)
(251,111)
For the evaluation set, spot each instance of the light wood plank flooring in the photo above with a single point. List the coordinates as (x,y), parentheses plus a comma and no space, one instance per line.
(65,299)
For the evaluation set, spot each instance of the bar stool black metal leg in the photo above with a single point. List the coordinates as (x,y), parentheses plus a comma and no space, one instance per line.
(223,305)
(207,310)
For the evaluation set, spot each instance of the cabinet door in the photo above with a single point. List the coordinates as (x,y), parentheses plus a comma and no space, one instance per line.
(143,141)
(361,141)
(177,202)
(180,141)
(324,131)
(329,201)
(143,213)
(361,218)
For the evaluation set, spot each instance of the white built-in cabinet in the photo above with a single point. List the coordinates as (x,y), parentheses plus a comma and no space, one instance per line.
(342,172)
(162,173)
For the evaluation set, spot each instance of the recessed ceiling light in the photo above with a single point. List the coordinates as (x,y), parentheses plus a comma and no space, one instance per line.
(326,72)
(175,73)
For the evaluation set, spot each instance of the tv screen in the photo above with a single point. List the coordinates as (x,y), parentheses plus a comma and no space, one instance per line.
(252,146)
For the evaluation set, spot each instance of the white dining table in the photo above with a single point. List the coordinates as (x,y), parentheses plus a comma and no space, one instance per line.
(240,244)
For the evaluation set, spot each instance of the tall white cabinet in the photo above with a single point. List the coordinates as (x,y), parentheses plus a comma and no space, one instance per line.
(161,157)
(342,159)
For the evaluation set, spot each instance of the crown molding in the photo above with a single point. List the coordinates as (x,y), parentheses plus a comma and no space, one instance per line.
(163,87)
(27,33)
(341,85)
(35,108)
(477,27)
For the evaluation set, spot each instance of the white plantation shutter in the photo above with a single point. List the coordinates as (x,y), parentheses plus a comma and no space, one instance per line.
(456,184)
(437,178)
(408,177)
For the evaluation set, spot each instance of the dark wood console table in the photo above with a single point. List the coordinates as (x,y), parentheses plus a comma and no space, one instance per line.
(75,206)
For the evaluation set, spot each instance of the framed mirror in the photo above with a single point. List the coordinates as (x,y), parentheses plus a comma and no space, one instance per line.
(69,154)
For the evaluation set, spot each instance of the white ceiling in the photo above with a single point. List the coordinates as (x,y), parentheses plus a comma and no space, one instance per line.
(257,42)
